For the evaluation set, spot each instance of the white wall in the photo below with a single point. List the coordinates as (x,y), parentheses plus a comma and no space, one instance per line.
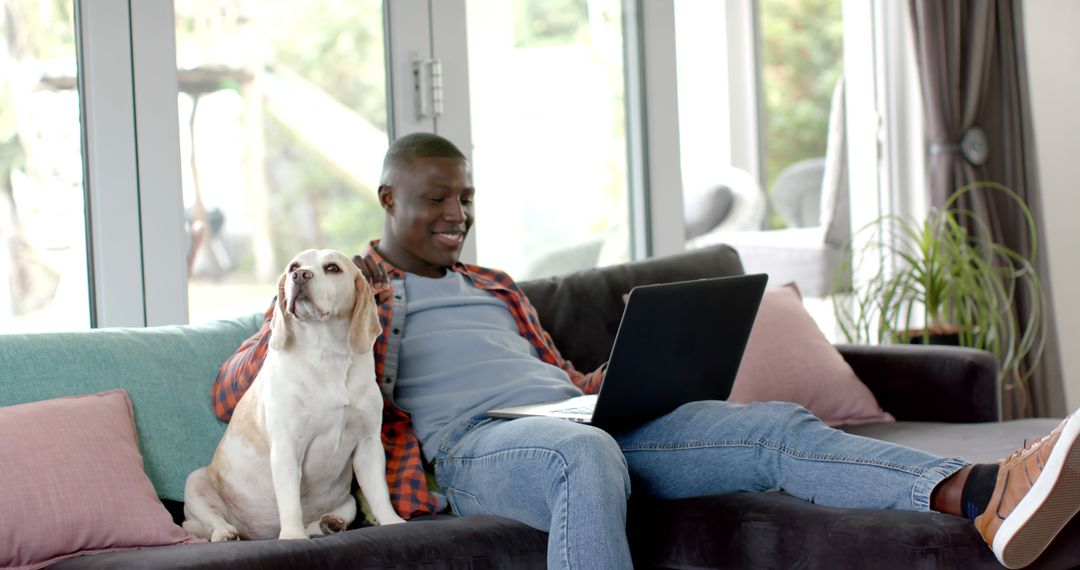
(1053,50)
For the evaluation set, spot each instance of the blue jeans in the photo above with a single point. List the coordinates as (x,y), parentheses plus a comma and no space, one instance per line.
(573,480)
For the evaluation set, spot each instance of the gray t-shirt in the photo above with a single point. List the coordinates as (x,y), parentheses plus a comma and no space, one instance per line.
(462,354)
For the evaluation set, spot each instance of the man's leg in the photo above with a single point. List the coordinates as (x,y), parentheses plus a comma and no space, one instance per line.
(565,478)
(716,447)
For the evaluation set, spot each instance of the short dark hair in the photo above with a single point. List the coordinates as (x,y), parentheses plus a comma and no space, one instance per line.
(408,148)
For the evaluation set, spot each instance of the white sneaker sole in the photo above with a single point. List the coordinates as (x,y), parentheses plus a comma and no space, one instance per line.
(1047,507)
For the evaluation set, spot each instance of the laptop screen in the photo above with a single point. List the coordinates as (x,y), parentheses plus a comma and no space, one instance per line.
(677,343)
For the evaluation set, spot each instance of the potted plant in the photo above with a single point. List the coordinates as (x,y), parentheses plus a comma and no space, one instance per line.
(935,279)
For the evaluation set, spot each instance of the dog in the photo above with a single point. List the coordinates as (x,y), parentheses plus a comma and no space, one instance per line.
(311,418)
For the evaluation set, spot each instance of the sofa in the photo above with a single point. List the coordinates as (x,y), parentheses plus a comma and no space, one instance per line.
(943,400)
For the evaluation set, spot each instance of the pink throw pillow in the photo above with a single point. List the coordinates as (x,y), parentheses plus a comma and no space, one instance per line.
(788,359)
(72,480)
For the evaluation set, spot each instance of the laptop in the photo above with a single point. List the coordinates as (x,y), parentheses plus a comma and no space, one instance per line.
(677,343)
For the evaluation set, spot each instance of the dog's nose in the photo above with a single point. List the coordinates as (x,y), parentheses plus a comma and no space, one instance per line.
(301,276)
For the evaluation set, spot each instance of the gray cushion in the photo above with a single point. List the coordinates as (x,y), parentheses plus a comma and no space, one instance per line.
(978,442)
(707,210)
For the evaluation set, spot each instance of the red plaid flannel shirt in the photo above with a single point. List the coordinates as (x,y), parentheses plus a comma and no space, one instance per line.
(404,465)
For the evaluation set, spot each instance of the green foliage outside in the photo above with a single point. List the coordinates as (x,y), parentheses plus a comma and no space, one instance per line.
(338,46)
(35,30)
(550,22)
(539,24)
(41,29)
(310,204)
(335,44)
(802,45)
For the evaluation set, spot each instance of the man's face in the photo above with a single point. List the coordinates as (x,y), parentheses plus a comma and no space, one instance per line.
(429,206)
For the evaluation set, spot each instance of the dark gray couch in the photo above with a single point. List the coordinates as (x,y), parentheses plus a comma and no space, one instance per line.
(945,399)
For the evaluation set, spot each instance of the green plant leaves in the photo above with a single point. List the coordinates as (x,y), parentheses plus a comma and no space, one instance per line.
(946,274)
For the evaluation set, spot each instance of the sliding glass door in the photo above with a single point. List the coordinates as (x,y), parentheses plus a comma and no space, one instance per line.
(44,283)
(533,92)
(283,124)
(220,137)
(548,127)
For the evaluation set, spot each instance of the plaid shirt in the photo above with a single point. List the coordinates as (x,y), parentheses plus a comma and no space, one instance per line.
(404,465)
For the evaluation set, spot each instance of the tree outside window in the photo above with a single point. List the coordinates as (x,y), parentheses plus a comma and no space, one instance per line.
(801,47)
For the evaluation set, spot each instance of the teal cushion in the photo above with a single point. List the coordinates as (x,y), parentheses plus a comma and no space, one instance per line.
(167,371)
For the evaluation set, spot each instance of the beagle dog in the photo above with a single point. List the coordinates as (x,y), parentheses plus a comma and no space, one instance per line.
(311,418)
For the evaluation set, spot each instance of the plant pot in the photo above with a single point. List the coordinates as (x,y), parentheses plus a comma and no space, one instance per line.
(941,336)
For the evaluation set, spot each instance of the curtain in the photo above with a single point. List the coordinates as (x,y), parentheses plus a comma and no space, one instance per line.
(978,121)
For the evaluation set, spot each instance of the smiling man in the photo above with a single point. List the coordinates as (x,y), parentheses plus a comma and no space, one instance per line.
(428,204)
(460,339)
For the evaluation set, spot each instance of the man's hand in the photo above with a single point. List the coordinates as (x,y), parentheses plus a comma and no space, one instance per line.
(380,284)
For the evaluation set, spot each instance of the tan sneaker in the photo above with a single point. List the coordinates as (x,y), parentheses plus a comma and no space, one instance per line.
(1037,492)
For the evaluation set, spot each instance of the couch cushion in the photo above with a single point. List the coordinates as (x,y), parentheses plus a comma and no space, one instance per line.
(977,443)
(789,359)
(167,371)
(77,483)
(425,542)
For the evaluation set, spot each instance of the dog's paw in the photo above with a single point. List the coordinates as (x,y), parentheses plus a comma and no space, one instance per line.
(224,533)
(331,523)
(196,528)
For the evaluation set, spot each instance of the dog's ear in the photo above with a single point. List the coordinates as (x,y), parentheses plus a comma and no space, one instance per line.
(279,326)
(364,326)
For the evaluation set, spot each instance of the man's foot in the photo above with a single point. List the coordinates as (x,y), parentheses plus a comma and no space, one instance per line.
(1037,492)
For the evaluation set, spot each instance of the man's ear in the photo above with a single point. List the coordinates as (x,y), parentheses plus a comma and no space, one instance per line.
(386,197)
(279,326)
(364,326)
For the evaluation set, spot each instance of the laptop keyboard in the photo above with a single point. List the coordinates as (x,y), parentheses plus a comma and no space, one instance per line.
(575,410)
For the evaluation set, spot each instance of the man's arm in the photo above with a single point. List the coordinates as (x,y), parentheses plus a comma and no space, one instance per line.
(589,383)
(240,370)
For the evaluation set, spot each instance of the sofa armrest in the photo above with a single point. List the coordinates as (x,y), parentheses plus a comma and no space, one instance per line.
(928,383)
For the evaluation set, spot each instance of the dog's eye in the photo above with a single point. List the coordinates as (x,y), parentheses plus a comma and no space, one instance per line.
(332,268)
(293,266)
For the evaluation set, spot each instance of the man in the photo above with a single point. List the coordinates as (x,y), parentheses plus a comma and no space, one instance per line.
(460,339)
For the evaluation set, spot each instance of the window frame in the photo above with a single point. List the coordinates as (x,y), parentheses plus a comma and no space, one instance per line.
(130,144)
(137,242)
